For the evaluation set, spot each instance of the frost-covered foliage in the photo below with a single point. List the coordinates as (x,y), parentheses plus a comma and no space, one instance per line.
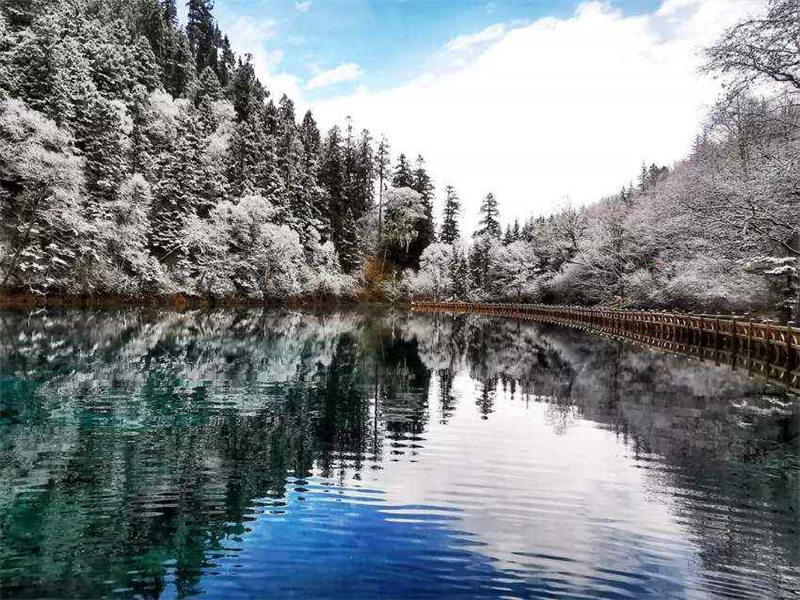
(43,232)
(403,211)
(719,230)
(435,275)
(139,157)
(240,251)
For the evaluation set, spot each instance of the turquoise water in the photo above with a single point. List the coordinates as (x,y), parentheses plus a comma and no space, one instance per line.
(377,453)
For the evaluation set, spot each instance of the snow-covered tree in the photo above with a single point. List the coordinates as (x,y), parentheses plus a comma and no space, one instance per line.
(44,231)
(434,277)
(404,210)
(489,224)
(450,232)
(239,250)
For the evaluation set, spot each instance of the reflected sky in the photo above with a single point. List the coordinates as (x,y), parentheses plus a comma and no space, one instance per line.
(382,454)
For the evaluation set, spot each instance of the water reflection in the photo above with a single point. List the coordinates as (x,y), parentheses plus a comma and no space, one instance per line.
(253,453)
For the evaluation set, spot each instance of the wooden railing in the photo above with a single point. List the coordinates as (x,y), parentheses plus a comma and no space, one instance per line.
(760,347)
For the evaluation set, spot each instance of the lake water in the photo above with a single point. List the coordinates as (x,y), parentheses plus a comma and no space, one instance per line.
(385,454)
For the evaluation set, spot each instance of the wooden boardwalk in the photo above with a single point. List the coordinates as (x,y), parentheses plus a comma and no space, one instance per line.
(758,347)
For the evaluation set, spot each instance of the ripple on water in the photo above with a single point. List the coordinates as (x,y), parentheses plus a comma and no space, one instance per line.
(268,454)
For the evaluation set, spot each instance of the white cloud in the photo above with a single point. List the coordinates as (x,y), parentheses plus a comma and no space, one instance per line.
(468,43)
(343,72)
(304,5)
(560,107)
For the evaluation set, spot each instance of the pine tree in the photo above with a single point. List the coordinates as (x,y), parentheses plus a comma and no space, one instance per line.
(363,179)
(100,136)
(245,91)
(460,274)
(423,185)
(426,232)
(449,233)
(185,188)
(348,243)
(333,179)
(507,236)
(311,206)
(226,61)
(252,163)
(643,178)
(143,157)
(490,222)
(147,70)
(170,12)
(208,88)
(310,136)
(179,72)
(403,176)
(512,233)
(200,32)
(382,160)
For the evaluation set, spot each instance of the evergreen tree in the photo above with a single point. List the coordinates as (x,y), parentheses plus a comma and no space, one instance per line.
(333,178)
(512,233)
(347,242)
(426,232)
(423,185)
(179,70)
(311,207)
(363,178)
(147,70)
(489,224)
(226,61)
(208,88)
(403,176)
(201,34)
(245,91)
(100,136)
(142,148)
(449,233)
(382,161)
(460,274)
(310,136)
(170,12)
(252,163)
(507,236)
(179,192)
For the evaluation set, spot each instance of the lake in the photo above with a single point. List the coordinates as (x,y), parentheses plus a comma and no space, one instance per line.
(383,453)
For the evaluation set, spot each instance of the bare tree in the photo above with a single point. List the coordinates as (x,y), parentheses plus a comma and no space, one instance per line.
(760,48)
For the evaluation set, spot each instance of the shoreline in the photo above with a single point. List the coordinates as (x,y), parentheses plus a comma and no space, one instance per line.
(163,301)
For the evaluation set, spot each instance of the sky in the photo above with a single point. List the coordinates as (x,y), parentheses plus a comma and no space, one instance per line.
(541,102)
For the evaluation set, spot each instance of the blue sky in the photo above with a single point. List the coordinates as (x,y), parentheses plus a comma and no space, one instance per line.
(544,103)
(391,41)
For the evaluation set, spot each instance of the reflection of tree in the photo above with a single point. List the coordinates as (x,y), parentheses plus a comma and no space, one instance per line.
(727,441)
(134,439)
(447,401)
(484,399)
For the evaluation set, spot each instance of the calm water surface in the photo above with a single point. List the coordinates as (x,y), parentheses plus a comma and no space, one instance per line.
(363,454)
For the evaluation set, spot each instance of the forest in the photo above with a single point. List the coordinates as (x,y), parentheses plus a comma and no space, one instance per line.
(140,158)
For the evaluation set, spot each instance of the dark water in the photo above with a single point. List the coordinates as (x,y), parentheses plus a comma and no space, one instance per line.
(383,454)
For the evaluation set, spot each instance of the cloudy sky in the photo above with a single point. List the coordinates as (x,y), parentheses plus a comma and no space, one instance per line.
(541,102)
